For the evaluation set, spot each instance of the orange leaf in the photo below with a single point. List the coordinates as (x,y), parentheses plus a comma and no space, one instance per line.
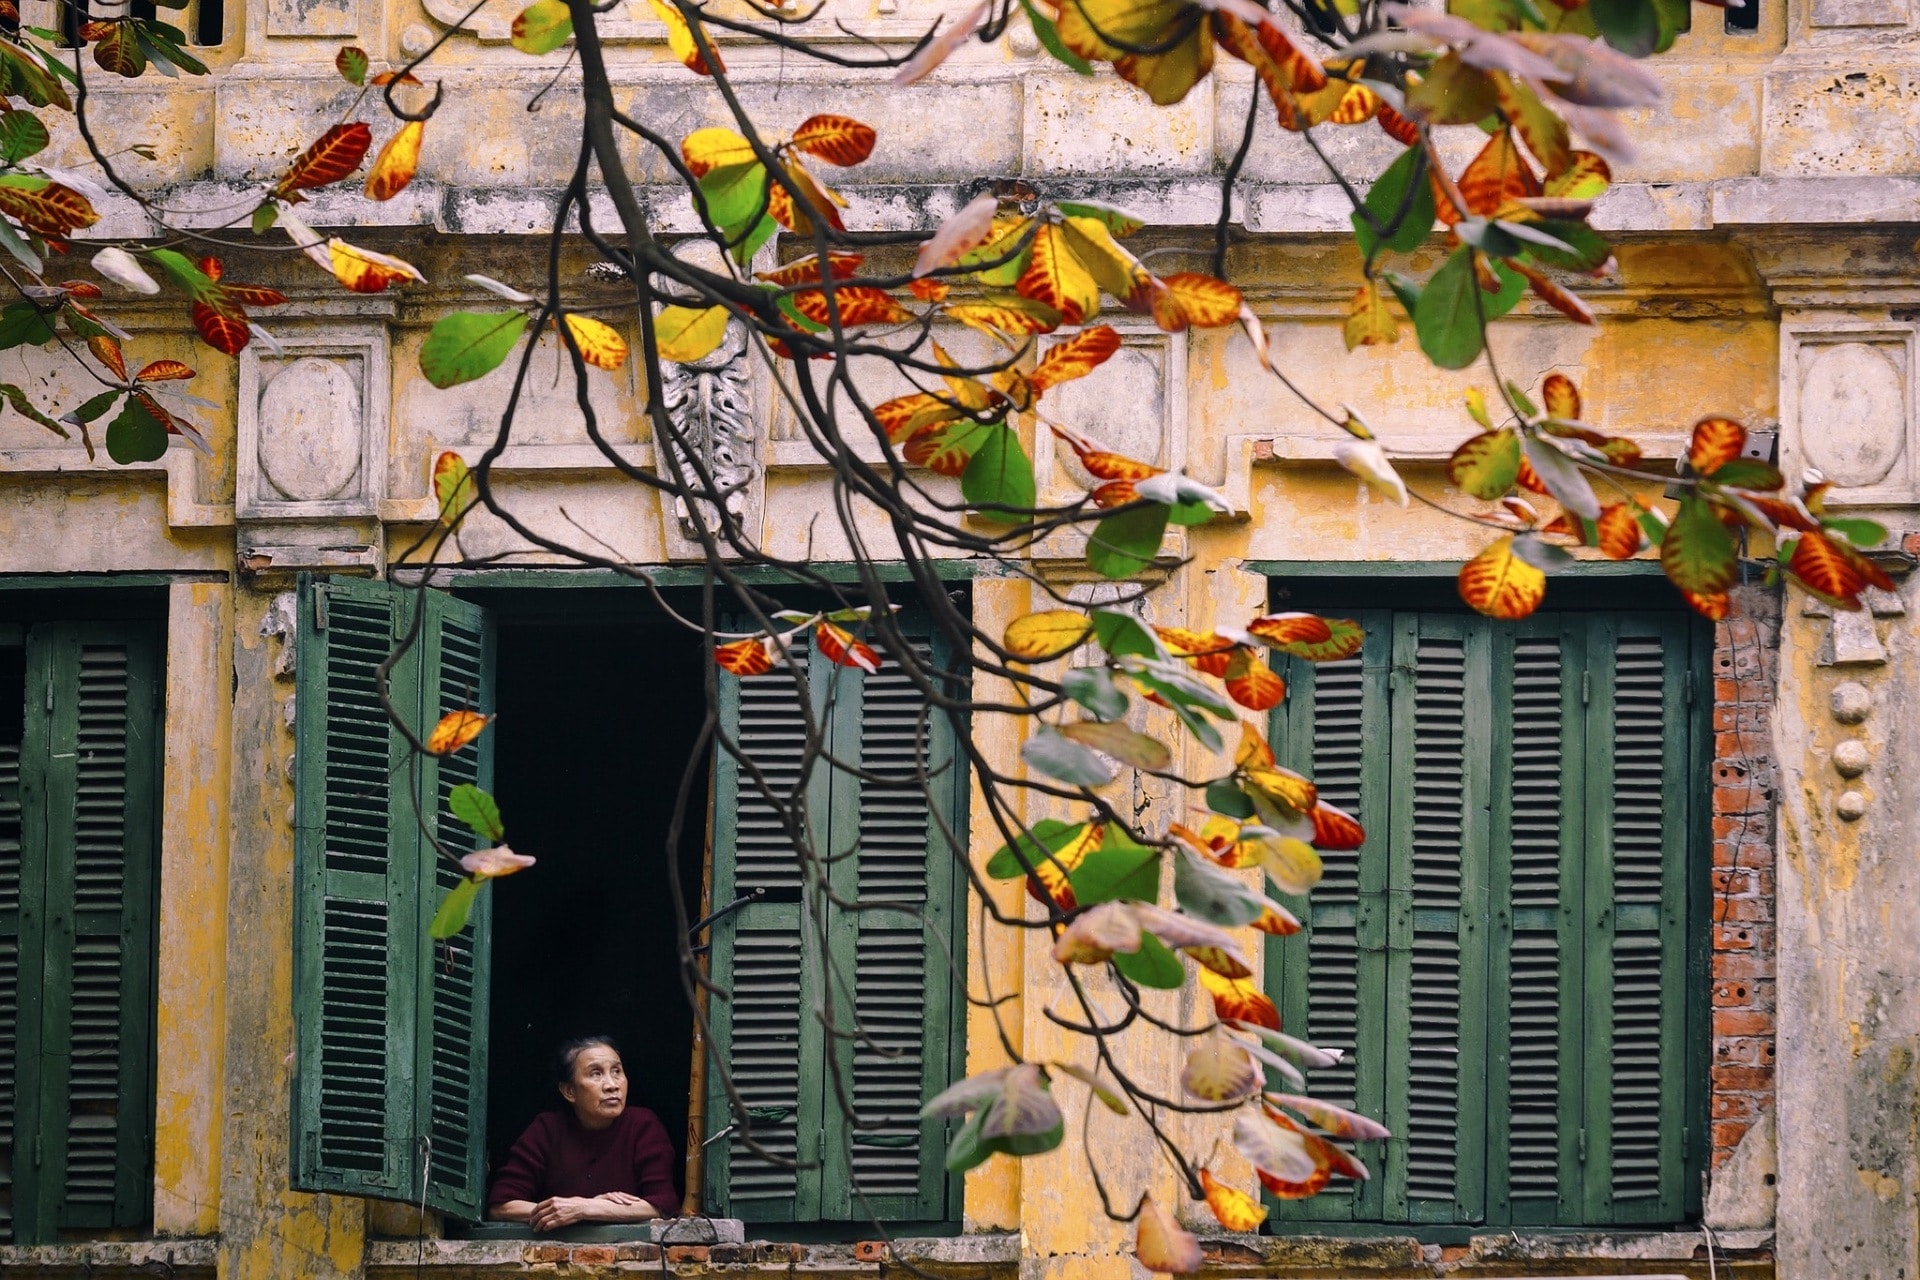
(906,416)
(394,168)
(455,730)
(928,289)
(1713,605)
(366,271)
(1114,493)
(1834,569)
(842,649)
(1500,584)
(1620,536)
(1398,127)
(807,270)
(338,153)
(1057,279)
(1234,1209)
(750,657)
(1049,879)
(107,351)
(1342,101)
(223,330)
(1162,1245)
(1190,298)
(1077,357)
(1281,66)
(1311,638)
(54,210)
(1561,397)
(164,371)
(1335,829)
(1252,683)
(836,139)
(252,295)
(80,288)
(1282,786)
(822,201)
(600,343)
(1203,650)
(1495,176)
(1529,479)
(1716,442)
(1239,998)
(1220,960)
(858,305)
(1103,464)
(1278,921)
(1554,294)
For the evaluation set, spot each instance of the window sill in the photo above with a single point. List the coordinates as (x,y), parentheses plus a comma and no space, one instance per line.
(187,1258)
(977,1255)
(1310,1248)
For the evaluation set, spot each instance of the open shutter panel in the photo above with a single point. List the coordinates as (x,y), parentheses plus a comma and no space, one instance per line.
(458,657)
(1536,1074)
(904,988)
(356,897)
(1330,978)
(763,1033)
(1636,888)
(1437,924)
(14,876)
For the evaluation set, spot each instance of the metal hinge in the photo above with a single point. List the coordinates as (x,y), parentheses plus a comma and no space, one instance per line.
(49,695)
(1581,1147)
(1586,687)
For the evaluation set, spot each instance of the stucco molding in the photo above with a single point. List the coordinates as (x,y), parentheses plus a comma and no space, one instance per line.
(312,423)
(1848,408)
(178,465)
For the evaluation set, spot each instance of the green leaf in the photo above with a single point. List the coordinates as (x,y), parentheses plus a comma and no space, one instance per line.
(1861,533)
(968,1149)
(1676,17)
(1119,870)
(1128,746)
(15,244)
(1061,758)
(1126,542)
(1049,37)
(1153,965)
(1049,835)
(1447,317)
(1228,800)
(451,918)
(1631,26)
(1749,473)
(762,232)
(190,279)
(1209,893)
(351,62)
(469,344)
(97,406)
(21,135)
(478,810)
(1114,219)
(1586,250)
(734,194)
(1121,634)
(1487,465)
(1384,200)
(542,26)
(21,324)
(1000,474)
(265,216)
(1406,290)
(1698,553)
(1094,689)
(1190,513)
(136,435)
(1513,287)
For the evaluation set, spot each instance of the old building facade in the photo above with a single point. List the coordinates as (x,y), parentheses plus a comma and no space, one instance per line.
(1714,1073)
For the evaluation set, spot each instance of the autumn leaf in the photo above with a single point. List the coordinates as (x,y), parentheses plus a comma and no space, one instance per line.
(351,63)
(1715,442)
(222,330)
(1498,583)
(453,486)
(542,26)
(957,235)
(686,334)
(1560,397)
(1487,465)
(1191,299)
(106,350)
(1204,650)
(394,167)
(680,41)
(1337,1121)
(1251,683)
(1041,637)
(836,139)
(1219,1069)
(600,343)
(1160,1244)
(1697,551)
(1831,568)
(1335,829)
(807,270)
(1239,999)
(857,305)
(365,271)
(337,153)
(163,371)
(1369,322)
(1306,636)
(1077,357)
(750,657)
(1002,319)
(906,416)
(705,150)
(1057,279)
(455,730)
(842,649)
(50,208)
(1498,174)
(1619,534)
(1232,1208)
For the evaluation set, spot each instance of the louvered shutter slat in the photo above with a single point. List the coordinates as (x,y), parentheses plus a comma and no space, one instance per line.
(12,703)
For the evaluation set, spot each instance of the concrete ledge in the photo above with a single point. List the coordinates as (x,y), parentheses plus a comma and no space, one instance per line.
(184,1259)
(969,1256)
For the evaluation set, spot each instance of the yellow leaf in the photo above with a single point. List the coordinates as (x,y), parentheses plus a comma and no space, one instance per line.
(455,730)
(687,334)
(1162,1245)
(364,271)
(601,344)
(394,168)
(1369,323)
(452,484)
(680,38)
(1112,267)
(1055,277)
(705,150)
(1040,637)
(1500,584)
(1235,1209)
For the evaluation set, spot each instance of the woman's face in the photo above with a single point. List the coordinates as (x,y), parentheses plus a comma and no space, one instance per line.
(598,1090)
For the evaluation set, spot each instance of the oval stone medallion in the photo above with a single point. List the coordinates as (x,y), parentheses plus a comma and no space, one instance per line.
(310,432)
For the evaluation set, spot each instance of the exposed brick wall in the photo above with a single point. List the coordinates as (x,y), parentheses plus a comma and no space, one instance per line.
(1746,651)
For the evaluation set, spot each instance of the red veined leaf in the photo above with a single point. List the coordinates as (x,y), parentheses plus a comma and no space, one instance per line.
(1786,513)
(1280,1189)
(1114,493)
(1055,278)
(750,657)
(1398,127)
(224,330)
(1555,295)
(1620,535)
(1291,628)
(337,153)
(82,288)
(1560,397)
(1048,883)
(807,270)
(1716,442)
(163,371)
(1251,682)
(1241,999)
(928,289)
(1530,480)
(1833,569)
(1334,829)
(1498,583)
(1103,464)
(1077,357)
(1499,173)
(1203,650)
(906,416)
(1220,960)
(106,350)
(455,730)
(841,648)
(54,210)
(858,305)
(358,270)
(397,162)
(1278,921)
(838,140)
(1342,101)
(1713,605)
(1192,299)
(210,268)
(680,41)
(251,295)
(1697,552)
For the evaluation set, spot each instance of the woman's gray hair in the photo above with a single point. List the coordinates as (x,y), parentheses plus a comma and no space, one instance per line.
(570,1050)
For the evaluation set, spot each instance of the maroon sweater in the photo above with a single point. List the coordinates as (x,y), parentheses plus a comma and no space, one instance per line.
(557,1156)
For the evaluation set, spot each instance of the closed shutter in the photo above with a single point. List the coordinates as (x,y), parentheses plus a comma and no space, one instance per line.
(14,876)
(847,1106)
(389,1028)
(1526,797)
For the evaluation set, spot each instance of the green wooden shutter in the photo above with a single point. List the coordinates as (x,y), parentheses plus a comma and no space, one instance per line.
(1635,987)
(356,896)
(458,655)
(763,1031)
(390,1028)
(1330,978)
(850,1117)
(13,876)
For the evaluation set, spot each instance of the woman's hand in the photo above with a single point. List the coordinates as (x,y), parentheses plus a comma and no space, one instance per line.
(556,1212)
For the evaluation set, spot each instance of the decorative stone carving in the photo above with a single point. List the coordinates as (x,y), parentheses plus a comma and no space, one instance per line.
(1852,702)
(1850,758)
(710,401)
(1851,806)
(1848,410)
(1852,638)
(313,425)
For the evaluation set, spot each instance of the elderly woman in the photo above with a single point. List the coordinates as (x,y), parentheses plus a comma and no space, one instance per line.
(597,1160)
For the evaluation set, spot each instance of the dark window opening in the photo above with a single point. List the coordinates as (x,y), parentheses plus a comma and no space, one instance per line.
(1744,17)
(596,723)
